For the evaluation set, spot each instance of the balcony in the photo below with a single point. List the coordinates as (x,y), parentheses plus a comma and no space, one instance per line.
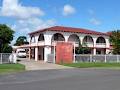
(41,43)
(100,45)
(88,44)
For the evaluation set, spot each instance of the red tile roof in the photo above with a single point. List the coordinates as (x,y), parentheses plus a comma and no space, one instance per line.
(69,29)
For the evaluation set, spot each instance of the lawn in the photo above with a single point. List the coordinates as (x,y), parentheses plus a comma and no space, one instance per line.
(94,65)
(11,68)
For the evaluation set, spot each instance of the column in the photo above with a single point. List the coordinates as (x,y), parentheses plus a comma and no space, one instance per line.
(36,53)
(29,53)
(94,45)
(47,47)
(94,51)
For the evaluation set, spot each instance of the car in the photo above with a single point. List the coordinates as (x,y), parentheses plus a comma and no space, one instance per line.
(21,54)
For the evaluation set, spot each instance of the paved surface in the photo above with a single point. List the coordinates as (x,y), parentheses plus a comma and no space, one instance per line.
(67,79)
(40,65)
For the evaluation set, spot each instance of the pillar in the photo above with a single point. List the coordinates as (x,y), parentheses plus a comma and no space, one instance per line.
(36,53)
(29,53)
(94,51)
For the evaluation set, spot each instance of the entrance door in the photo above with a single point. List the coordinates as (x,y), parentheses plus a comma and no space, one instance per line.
(41,53)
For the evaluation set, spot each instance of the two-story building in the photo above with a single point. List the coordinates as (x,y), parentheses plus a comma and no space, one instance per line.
(42,42)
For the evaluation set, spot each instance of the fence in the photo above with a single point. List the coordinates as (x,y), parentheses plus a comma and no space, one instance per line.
(4,58)
(98,58)
(50,58)
(91,58)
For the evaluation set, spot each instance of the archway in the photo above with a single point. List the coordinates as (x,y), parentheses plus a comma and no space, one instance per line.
(88,41)
(101,40)
(41,37)
(74,38)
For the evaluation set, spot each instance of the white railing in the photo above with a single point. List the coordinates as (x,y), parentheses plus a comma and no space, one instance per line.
(41,43)
(98,58)
(101,45)
(90,58)
(88,44)
(4,58)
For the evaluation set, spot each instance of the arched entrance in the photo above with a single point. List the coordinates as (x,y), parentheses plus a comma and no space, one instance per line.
(74,38)
(41,48)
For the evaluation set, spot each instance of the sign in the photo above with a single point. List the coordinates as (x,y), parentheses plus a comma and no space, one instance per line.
(64,52)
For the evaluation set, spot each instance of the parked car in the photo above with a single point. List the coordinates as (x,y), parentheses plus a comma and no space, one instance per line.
(21,53)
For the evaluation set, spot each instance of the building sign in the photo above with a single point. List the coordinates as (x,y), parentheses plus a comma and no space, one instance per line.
(64,52)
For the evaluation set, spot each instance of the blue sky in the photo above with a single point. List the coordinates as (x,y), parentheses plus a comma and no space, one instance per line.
(25,16)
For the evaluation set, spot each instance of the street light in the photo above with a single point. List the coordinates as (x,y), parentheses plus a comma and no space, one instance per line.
(1,41)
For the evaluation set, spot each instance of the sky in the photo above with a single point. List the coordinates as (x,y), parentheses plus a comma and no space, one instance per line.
(25,16)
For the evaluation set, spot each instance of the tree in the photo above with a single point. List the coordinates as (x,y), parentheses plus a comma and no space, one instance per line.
(82,50)
(21,40)
(115,41)
(6,36)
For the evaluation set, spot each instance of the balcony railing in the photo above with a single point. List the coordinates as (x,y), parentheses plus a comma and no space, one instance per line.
(88,44)
(101,45)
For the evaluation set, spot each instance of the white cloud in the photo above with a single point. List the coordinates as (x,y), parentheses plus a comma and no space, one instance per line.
(23,27)
(13,8)
(68,10)
(32,24)
(95,21)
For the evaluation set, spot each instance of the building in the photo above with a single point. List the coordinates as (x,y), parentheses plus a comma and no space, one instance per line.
(42,41)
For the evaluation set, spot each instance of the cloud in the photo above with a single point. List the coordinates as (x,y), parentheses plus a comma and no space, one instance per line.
(12,8)
(32,24)
(95,21)
(68,10)
(23,27)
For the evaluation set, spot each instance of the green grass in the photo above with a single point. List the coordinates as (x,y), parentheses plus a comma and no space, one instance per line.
(11,68)
(94,65)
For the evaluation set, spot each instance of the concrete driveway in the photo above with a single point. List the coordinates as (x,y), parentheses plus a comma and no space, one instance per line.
(40,65)
(62,79)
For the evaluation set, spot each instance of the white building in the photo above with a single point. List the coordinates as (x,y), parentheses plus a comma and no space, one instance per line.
(42,41)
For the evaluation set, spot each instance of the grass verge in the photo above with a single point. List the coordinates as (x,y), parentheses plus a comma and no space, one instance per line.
(11,68)
(94,65)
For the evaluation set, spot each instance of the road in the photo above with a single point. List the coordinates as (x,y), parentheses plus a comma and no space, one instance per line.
(64,79)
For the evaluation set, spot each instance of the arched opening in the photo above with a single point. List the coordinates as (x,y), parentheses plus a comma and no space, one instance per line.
(74,38)
(88,41)
(41,48)
(41,37)
(58,37)
(32,39)
(101,40)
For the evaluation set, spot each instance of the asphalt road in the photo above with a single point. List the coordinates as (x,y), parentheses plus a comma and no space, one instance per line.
(70,79)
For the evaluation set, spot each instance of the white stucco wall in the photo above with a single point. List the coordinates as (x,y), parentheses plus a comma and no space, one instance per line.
(49,34)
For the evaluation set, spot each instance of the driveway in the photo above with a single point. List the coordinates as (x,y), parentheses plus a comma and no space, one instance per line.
(62,79)
(40,65)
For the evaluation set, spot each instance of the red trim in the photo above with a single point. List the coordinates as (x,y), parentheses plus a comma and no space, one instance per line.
(69,29)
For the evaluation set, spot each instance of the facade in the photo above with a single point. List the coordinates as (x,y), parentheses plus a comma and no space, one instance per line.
(42,42)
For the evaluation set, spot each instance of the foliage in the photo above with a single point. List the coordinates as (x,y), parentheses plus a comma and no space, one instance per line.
(82,50)
(6,36)
(115,41)
(21,40)
(6,49)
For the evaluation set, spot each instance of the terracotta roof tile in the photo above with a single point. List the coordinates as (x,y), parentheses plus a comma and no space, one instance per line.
(69,29)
